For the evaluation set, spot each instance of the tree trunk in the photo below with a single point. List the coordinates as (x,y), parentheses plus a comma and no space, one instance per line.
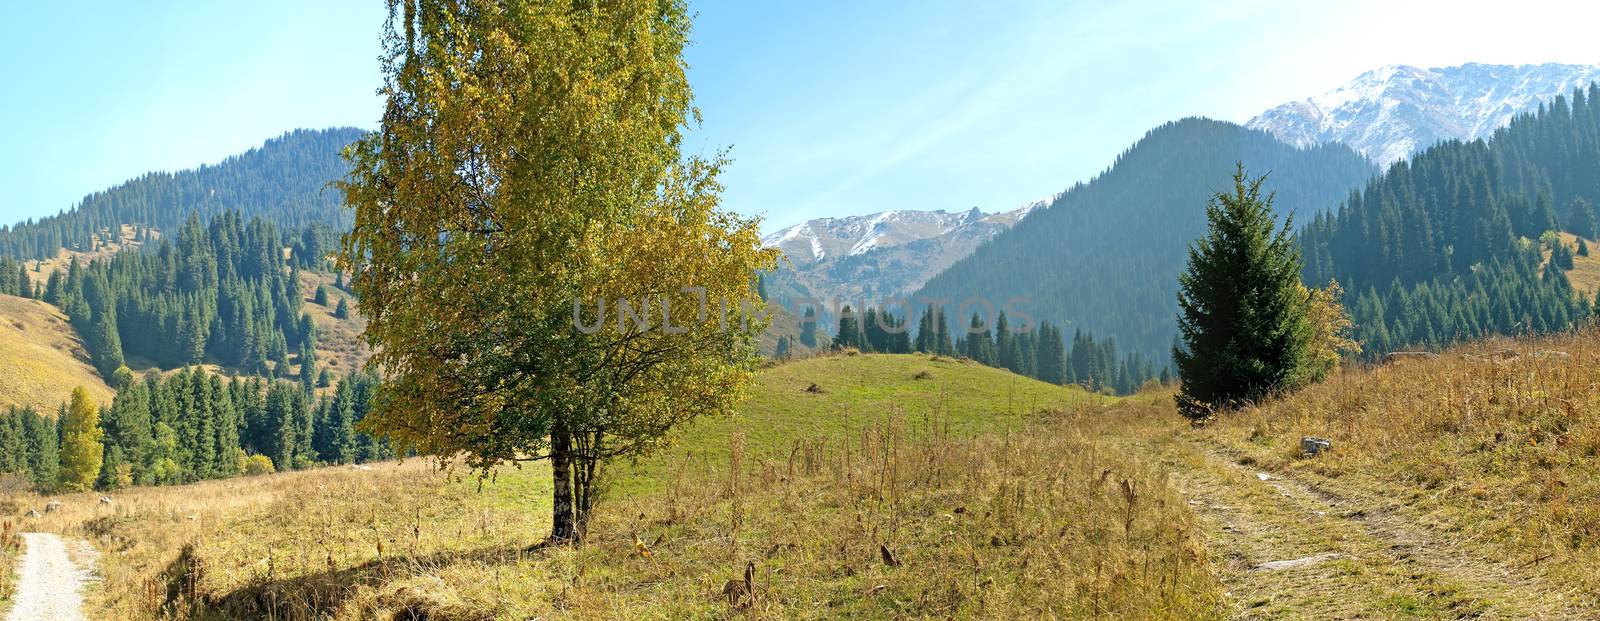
(563,530)
(586,463)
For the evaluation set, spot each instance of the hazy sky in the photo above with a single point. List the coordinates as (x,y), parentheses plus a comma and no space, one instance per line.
(831,108)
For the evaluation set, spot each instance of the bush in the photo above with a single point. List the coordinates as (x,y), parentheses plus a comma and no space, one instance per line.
(258,464)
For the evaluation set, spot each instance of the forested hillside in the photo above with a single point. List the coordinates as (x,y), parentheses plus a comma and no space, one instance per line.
(1105,256)
(284,181)
(224,293)
(1452,244)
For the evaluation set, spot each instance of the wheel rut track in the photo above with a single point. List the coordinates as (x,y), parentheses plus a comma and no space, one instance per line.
(1370,558)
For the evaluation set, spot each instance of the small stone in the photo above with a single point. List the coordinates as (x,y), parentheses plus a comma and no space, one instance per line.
(1263,476)
(1311,446)
(52,506)
(1293,563)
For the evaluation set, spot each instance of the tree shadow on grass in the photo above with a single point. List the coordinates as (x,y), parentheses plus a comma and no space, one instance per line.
(319,596)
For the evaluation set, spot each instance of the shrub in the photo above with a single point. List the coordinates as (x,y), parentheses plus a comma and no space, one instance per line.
(258,464)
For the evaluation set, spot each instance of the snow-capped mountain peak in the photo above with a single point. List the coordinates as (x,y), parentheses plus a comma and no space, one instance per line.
(1393,111)
(885,253)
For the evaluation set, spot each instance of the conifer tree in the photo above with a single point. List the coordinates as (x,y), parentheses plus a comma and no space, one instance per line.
(943,346)
(1005,343)
(53,288)
(1581,219)
(99,326)
(43,441)
(281,434)
(849,330)
(979,347)
(81,451)
(1244,314)
(1050,364)
(808,328)
(308,369)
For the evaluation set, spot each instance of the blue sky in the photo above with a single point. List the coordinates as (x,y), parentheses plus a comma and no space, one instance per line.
(831,108)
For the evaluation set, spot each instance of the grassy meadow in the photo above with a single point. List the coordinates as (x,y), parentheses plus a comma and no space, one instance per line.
(878,486)
(897,486)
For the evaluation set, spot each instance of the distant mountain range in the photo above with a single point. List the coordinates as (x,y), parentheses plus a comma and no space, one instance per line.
(1385,114)
(871,257)
(1392,112)
(1105,256)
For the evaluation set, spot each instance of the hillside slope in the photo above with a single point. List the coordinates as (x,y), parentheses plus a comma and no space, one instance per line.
(1439,248)
(1105,256)
(284,181)
(41,358)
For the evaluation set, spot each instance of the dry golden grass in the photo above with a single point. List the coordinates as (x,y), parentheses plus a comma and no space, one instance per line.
(339,345)
(41,358)
(1496,445)
(1585,272)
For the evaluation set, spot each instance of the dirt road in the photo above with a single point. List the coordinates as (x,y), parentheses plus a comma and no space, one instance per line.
(1288,548)
(49,584)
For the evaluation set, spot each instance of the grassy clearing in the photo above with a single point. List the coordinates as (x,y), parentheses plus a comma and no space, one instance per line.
(340,348)
(1494,447)
(903,486)
(41,358)
(1585,272)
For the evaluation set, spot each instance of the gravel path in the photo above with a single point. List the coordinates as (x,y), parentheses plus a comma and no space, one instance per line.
(49,584)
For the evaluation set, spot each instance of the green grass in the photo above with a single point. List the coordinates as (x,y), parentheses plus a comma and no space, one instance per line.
(856,392)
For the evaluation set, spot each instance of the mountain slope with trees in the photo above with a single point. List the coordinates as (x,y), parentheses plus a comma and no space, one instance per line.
(1451,245)
(1105,256)
(285,181)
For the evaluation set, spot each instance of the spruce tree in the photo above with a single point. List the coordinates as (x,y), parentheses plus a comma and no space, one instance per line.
(979,347)
(1244,319)
(926,339)
(1581,219)
(281,436)
(849,330)
(1005,343)
(308,369)
(942,345)
(44,461)
(808,328)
